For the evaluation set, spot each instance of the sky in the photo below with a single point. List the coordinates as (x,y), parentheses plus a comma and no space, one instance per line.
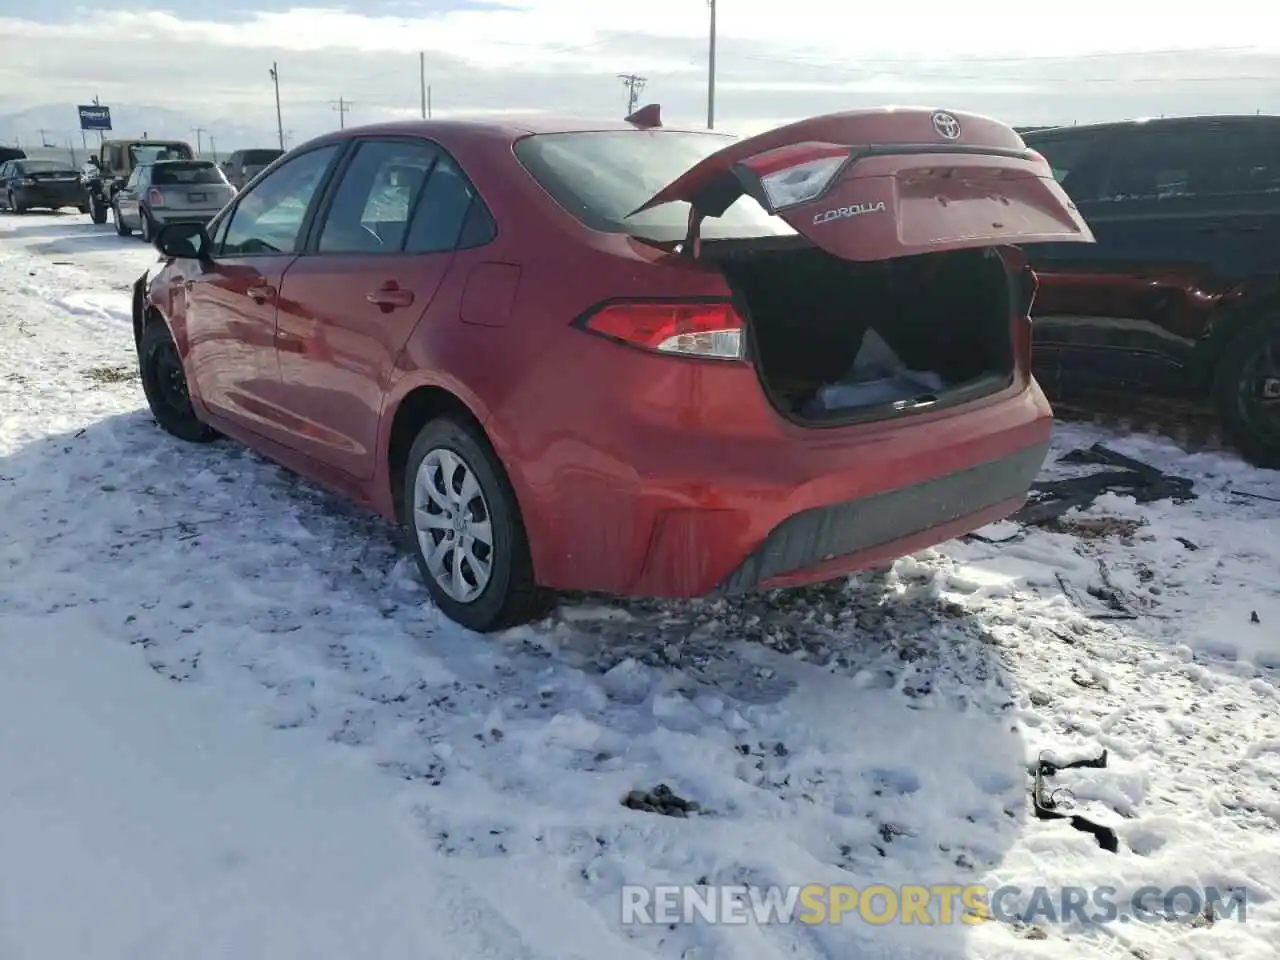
(205,63)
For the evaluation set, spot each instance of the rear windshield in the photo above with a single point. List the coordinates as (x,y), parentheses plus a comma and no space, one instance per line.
(152,152)
(43,166)
(601,176)
(260,158)
(184,173)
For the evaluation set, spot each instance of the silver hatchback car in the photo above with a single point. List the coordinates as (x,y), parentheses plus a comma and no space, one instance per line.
(170,191)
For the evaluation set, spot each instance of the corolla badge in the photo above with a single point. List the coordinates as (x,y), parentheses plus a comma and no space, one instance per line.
(853,210)
(948,127)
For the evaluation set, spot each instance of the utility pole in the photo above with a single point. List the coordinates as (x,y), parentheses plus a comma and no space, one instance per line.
(342,106)
(98,103)
(422,82)
(711,69)
(44,139)
(199,132)
(428,101)
(213,147)
(634,85)
(275,78)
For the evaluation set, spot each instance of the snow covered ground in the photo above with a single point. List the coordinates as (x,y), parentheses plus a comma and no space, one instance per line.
(231,724)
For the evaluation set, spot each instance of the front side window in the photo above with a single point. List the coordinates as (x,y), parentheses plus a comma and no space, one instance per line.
(269,218)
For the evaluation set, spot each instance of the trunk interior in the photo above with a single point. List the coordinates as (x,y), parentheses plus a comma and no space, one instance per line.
(837,341)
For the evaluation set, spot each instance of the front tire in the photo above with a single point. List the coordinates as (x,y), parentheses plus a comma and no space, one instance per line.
(1246,393)
(463,525)
(165,384)
(14,205)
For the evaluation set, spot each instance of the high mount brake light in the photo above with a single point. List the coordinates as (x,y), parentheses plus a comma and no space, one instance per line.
(797,173)
(711,331)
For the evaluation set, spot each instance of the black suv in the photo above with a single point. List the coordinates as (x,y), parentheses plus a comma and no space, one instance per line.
(1180,296)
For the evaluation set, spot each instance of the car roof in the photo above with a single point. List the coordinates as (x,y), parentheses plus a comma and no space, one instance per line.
(1156,123)
(508,128)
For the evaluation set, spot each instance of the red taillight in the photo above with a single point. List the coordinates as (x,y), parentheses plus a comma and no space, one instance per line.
(706,330)
(797,173)
(155,197)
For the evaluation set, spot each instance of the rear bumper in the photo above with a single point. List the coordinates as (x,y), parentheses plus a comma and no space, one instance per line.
(71,195)
(165,217)
(713,512)
(829,541)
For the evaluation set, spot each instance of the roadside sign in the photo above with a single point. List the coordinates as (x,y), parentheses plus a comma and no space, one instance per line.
(94,117)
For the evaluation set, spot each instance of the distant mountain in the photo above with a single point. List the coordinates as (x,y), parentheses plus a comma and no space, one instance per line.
(58,125)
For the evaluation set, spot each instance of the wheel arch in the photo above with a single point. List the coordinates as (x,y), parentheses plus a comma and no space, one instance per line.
(405,417)
(1246,304)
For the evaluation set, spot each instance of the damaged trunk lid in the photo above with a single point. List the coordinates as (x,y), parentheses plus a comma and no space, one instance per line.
(878,184)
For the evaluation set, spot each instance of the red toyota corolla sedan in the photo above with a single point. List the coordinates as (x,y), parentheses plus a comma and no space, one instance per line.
(625,358)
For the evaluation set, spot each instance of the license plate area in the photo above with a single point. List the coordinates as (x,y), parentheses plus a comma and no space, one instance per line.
(197,197)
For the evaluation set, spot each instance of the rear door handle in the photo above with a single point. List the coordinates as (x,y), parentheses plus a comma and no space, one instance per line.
(390,297)
(261,292)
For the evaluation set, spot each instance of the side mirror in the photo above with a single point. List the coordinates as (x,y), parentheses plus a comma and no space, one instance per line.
(183,241)
(93,158)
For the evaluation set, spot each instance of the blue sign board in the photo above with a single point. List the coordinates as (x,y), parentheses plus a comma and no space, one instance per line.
(93,117)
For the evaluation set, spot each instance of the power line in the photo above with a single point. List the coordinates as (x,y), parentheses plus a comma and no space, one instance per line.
(634,85)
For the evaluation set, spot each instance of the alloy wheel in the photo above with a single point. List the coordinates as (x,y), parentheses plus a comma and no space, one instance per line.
(452,522)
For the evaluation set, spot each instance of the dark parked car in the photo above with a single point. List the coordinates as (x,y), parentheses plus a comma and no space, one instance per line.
(1180,296)
(620,358)
(12,153)
(41,184)
(243,165)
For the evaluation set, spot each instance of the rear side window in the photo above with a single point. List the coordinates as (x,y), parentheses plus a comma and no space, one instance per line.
(601,176)
(1196,161)
(442,212)
(181,174)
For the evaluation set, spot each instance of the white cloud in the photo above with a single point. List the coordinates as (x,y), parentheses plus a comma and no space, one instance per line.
(1095,59)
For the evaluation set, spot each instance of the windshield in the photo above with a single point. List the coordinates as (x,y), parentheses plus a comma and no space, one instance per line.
(198,171)
(42,166)
(601,176)
(151,152)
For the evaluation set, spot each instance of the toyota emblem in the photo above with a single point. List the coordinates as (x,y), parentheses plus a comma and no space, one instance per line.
(948,127)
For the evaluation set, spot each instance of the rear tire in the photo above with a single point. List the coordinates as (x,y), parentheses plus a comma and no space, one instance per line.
(1246,392)
(147,230)
(14,206)
(97,210)
(456,493)
(121,228)
(165,383)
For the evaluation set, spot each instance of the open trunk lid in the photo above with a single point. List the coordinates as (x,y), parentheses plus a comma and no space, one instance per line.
(874,184)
